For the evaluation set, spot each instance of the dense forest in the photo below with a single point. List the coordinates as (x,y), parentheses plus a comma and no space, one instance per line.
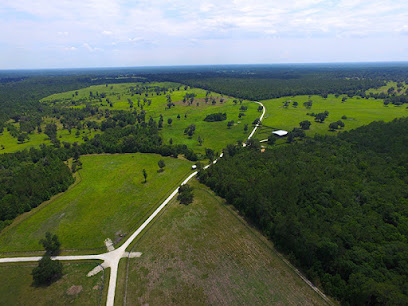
(337,206)
(29,178)
(274,81)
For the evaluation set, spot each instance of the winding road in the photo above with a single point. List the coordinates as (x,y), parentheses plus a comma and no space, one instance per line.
(111,259)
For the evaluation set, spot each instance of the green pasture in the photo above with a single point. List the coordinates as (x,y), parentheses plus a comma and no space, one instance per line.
(12,145)
(16,286)
(215,135)
(205,254)
(108,202)
(358,112)
(384,89)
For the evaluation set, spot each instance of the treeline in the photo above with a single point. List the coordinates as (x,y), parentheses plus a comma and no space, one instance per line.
(29,178)
(262,89)
(337,206)
(266,82)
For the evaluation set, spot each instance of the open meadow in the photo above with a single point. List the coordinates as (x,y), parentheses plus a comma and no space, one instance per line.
(357,112)
(204,253)
(73,288)
(143,96)
(110,200)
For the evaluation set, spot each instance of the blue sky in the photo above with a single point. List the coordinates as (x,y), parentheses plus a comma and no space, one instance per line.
(111,33)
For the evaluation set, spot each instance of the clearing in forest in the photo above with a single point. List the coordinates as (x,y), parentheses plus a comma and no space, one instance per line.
(110,200)
(353,112)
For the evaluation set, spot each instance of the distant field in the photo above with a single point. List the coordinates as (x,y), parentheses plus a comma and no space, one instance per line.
(16,288)
(109,201)
(385,88)
(358,112)
(203,254)
(11,144)
(215,135)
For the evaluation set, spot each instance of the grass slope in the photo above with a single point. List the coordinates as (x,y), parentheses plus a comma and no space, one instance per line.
(204,253)
(109,201)
(16,286)
(358,112)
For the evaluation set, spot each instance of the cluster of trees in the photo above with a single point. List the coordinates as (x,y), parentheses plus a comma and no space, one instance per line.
(27,179)
(337,206)
(216,117)
(336,125)
(320,117)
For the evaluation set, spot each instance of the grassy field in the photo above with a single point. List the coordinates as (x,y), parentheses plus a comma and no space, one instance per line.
(110,200)
(16,286)
(216,135)
(11,144)
(204,253)
(358,112)
(385,88)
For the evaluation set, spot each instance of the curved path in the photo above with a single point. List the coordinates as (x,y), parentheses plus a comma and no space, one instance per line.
(111,259)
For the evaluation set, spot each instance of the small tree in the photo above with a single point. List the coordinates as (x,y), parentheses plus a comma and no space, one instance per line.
(145,175)
(161,165)
(185,194)
(200,140)
(305,125)
(51,244)
(333,126)
(169,121)
(246,127)
(271,139)
(48,271)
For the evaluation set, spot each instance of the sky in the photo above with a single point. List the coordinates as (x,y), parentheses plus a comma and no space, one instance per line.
(123,33)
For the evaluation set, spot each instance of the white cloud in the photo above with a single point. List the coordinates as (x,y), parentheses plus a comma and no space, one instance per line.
(70,48)
(89,48)
(173,25)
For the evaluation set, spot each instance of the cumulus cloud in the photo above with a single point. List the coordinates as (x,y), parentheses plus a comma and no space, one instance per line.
(174,24)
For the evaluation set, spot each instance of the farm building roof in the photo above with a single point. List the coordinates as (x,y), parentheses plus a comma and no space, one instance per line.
(280,133)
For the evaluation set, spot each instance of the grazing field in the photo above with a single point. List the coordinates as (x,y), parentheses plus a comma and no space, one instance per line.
(215,135)
(204,254)
(357,111)
(384,89)
(73,288)
(109,202)
(35,139)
